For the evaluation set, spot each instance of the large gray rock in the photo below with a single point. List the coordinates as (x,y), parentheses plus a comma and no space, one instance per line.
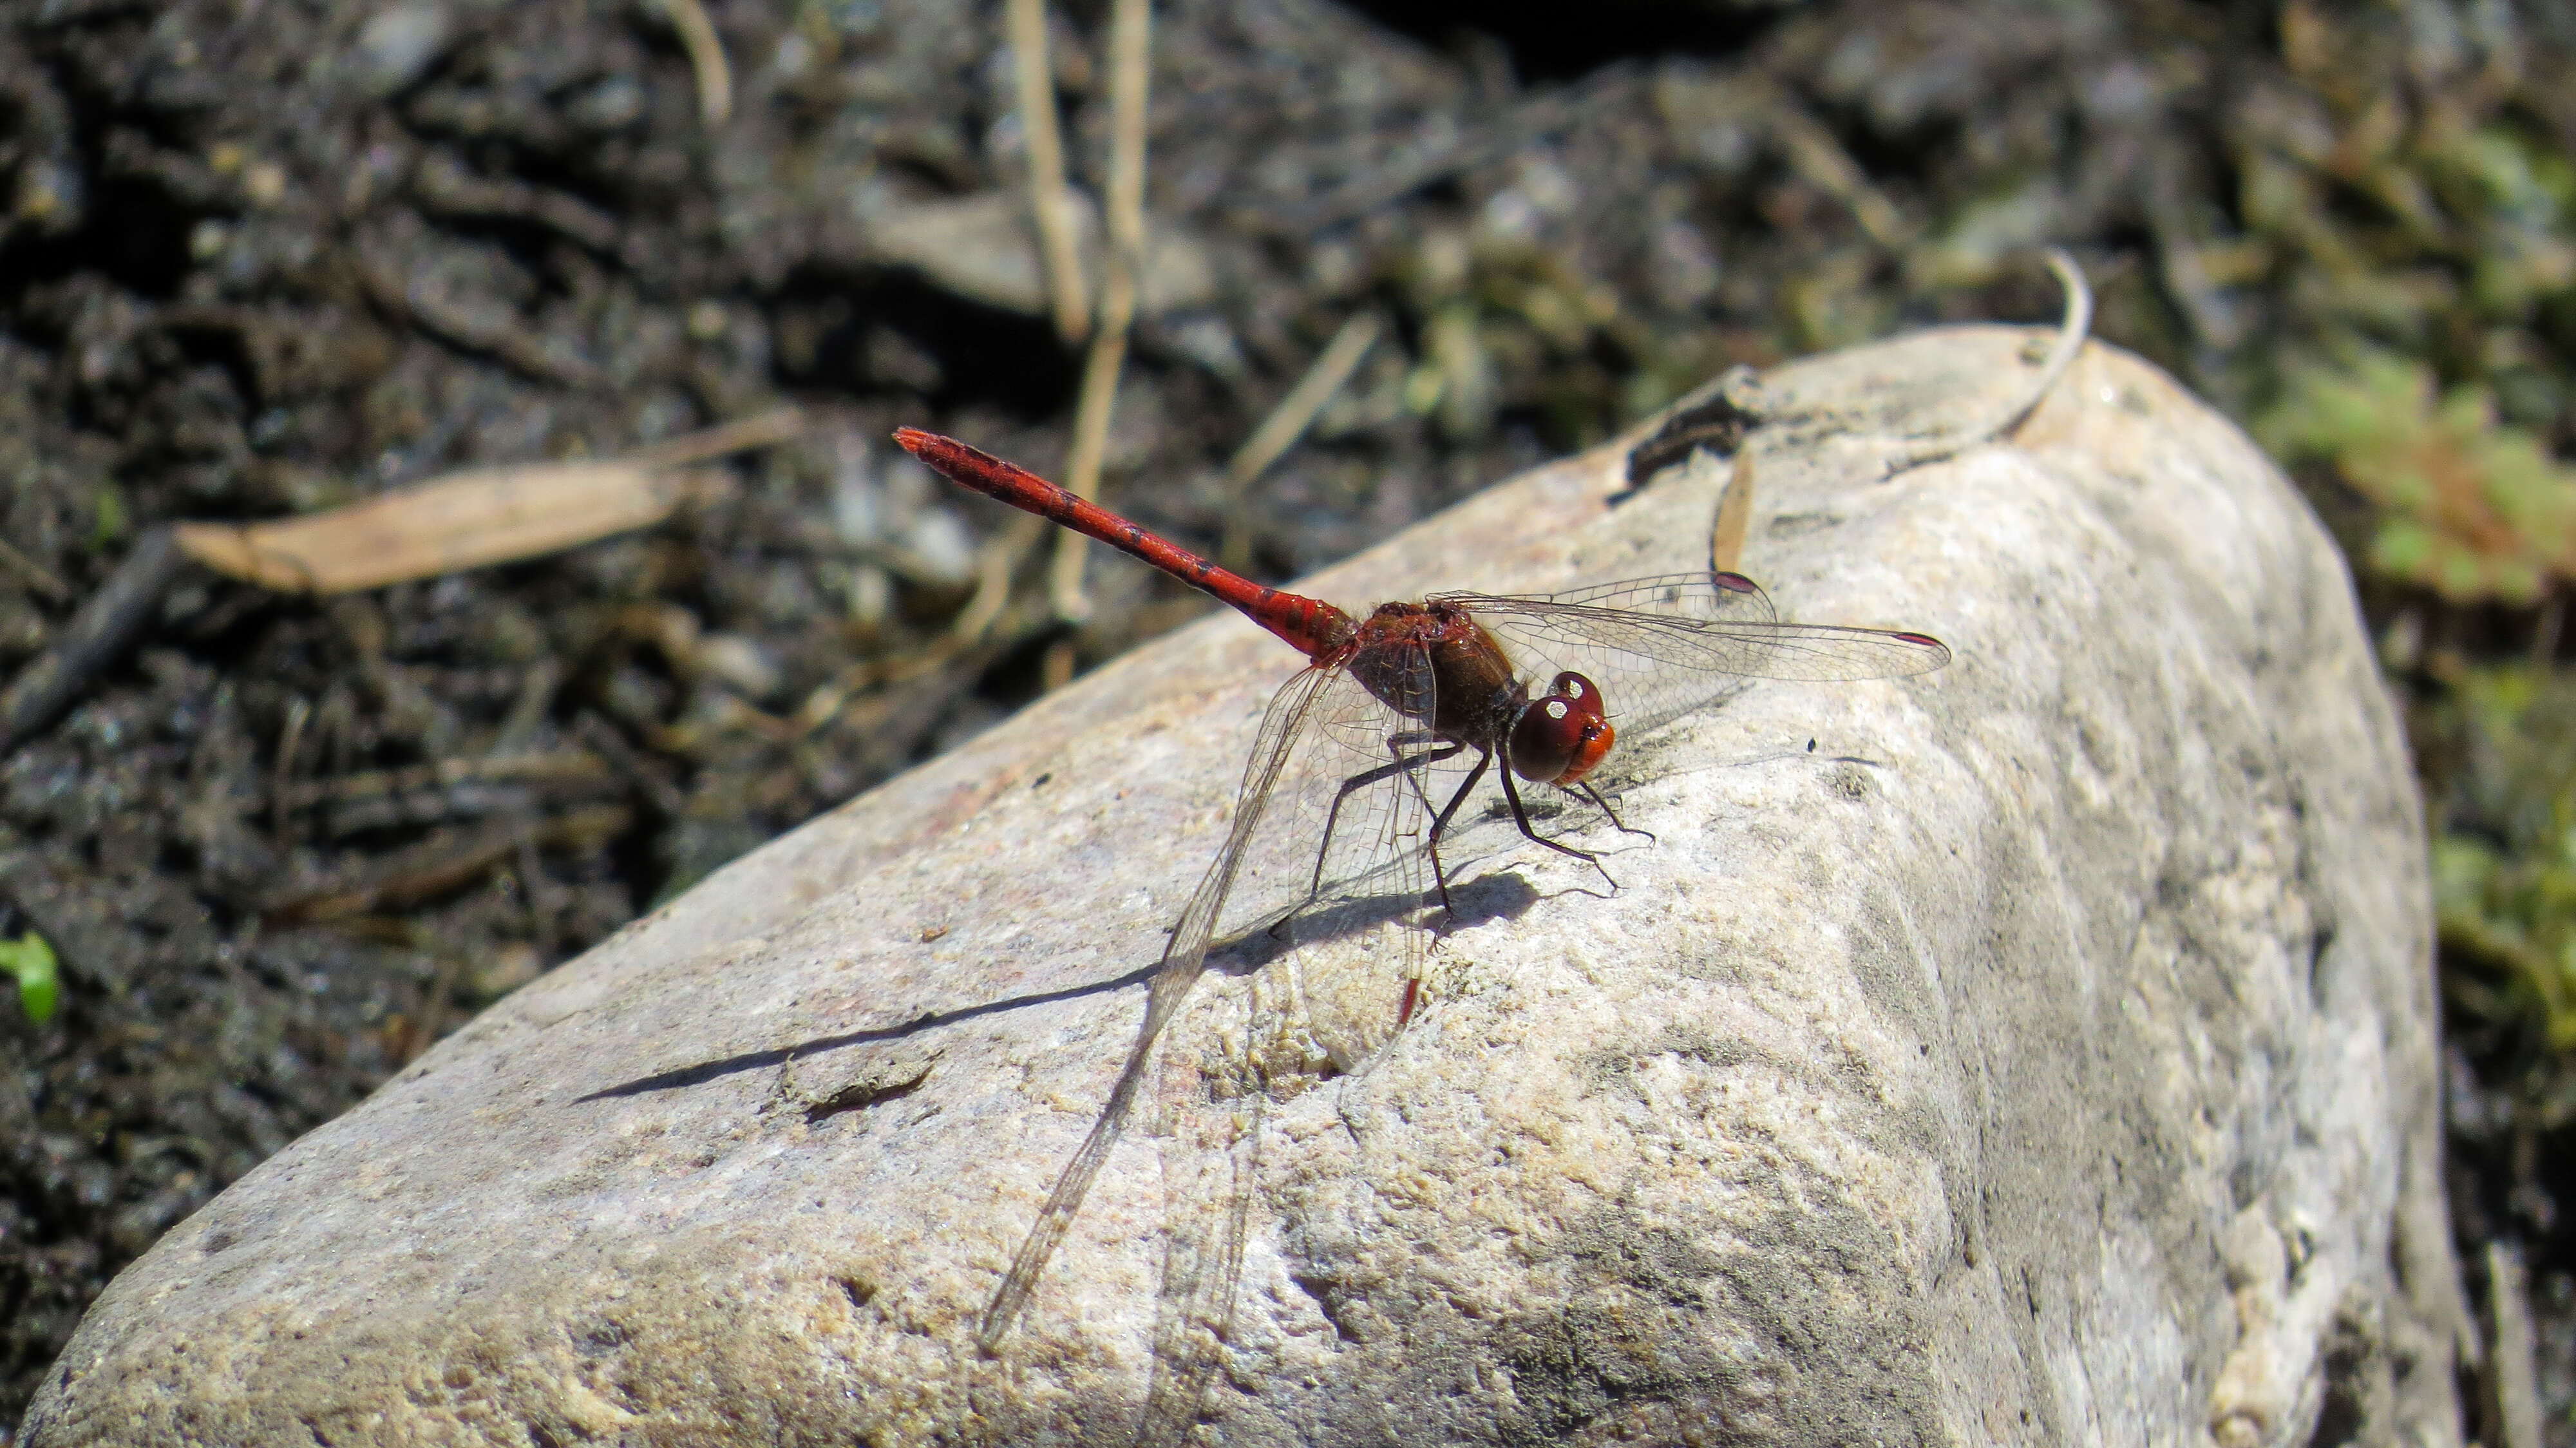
(2047,1056)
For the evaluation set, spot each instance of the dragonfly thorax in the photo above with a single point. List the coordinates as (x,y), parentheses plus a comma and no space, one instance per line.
(1435,664)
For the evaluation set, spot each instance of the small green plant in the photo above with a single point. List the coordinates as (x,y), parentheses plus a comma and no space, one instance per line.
(2504,867)
(31,960)
(2472,508)
(108,526)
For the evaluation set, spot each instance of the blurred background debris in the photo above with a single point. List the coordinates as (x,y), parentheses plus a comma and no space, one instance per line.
(259,265)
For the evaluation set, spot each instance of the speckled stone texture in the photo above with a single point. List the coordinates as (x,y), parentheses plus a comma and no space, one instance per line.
(2045,1056)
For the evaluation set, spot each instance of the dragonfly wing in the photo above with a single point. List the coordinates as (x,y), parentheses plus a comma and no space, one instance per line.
(1346,805)
(1337,864)
(1661,646)
(1211,1171)
(1283,728)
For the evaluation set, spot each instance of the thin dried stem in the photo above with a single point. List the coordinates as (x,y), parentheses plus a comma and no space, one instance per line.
(1821,161)
(706,59)
(2513,1413)
(762,429)
(1130,31)
(1734,516)
(1049,204)
(290,747)
(38,578)
(994,566)
(1288,421)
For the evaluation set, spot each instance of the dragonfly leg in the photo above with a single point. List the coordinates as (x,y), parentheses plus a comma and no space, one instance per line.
(1616,823)
(1440,872)
(1401,764)
(1520,816)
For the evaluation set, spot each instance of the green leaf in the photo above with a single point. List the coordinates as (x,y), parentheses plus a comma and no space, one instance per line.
(2469,506)
(108,527)
(31,960)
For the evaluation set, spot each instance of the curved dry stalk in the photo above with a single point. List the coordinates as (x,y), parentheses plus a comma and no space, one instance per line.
(2071,333)
(706,60)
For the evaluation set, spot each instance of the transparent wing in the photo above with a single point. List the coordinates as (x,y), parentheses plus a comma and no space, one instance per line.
(1211,1169)
(1322,758)
(1661,646)
(1347,816)
(1283,728)
(1325,898)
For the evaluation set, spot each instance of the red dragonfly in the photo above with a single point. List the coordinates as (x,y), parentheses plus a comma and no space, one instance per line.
(1405,690)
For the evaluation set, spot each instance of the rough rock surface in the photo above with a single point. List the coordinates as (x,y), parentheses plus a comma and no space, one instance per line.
(2045,1056)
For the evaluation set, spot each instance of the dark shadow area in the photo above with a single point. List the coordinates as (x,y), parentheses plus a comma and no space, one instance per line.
(705,1071)
(890,331)
(1550,43)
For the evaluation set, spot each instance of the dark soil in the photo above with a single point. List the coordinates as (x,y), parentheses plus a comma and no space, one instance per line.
(264,258)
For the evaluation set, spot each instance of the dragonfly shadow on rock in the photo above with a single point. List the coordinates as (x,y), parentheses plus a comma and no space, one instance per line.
(1488,897)
(702,1072)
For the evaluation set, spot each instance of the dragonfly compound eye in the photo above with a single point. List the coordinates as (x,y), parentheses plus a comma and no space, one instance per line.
(1563,734)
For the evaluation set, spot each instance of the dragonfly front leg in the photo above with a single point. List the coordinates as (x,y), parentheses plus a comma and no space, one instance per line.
(1616,823)
(1520,816)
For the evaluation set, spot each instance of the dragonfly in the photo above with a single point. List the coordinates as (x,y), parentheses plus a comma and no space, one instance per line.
(1534,691)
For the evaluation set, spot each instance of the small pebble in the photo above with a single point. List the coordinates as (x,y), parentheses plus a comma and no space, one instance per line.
(399,45)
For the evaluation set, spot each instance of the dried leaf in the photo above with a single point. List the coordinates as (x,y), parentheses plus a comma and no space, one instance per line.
(464,520)
(477,517)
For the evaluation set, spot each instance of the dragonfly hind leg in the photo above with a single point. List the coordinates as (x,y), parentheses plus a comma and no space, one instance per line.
(1440,872)
(1408,765)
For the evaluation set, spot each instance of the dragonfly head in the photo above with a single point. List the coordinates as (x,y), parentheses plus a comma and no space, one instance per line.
(1562,734)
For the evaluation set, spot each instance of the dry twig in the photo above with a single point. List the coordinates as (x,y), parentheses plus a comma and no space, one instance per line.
(560,766)
(1822,162)
(994,565)
(761,429)
(1734,516)
(1130,31)
(1049,205)
(449,862)
(465,520)
(503,342)
(97,633)
(290,747)
(444,185)
(2071,332)
(1531,121)
(38,578)
(2513,1415)
(1287,422)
